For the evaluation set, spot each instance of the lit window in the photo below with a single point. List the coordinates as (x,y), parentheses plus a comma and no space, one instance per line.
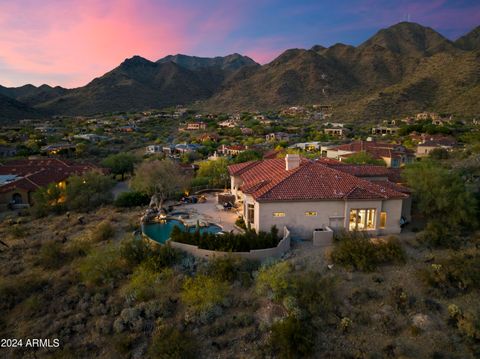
(383,219)
(362,219)
(311,214)
(279,214)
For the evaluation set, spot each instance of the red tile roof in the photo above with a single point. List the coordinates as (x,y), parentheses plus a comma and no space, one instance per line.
(268,180)
(41,172)
(392,174)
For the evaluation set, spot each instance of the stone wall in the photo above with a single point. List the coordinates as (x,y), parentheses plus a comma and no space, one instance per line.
(257,254)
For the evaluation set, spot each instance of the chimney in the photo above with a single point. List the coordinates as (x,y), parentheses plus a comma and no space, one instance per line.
(292,161)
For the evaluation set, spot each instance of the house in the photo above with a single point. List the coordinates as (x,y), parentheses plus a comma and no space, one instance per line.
(229,123)
(92,137)
(195,126)
(434,142)
(422,116)
(307,146)
(20,178)
(128,129)
(385,130)
(152,149)
(305,195)
(232,150)
(58,149)
(246,131)
(336,131)
(277,136)
(394,155)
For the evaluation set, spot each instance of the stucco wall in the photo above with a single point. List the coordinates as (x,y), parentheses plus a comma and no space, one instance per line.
(258,254)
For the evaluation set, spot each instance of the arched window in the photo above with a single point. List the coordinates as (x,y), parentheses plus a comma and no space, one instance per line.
(17,198)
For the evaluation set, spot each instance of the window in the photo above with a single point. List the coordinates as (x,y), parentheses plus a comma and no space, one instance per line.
(311,214)
(362,219)
(279,214)
(383,219)
(250,212)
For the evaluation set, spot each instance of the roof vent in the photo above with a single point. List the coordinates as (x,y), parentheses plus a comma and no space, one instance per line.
(292,161)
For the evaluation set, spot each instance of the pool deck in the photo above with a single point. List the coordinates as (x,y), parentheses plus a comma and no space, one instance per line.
(210,213)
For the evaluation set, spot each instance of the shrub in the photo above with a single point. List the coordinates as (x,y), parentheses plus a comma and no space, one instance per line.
(169,343)
(229,269)
(88,191)
(201,293)
(292,338)
(17,231)
(315,294)
(460,272)
(146,284)
(101,267)
(228,242)
(358,252)
(79,247)
(135,251)
(240,222)
(274,280)
(103,231)
(15,289)
(132,199)
(51,255)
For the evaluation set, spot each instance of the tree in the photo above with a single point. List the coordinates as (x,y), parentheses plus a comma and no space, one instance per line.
(48,199)
(363,158)
(249,155)
(120,163)
(88,191)
(215,170)
(443,198)
(159,178)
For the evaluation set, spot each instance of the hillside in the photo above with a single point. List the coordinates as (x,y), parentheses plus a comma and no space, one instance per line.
(11,109)
(403,69)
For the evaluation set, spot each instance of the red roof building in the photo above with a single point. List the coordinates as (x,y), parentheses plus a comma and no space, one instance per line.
(306,194)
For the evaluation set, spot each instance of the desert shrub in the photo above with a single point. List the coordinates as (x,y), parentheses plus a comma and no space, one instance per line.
(292,338)
(78,247)
(201,293)
(146,284)
(135,251)
(101,267)
(102,231)
(169,343)
(314,293)
(51,255)
(468,323)
(437,234)
(132,199)
(358,252)
(460,272)
(88,191)
(13,290)
(228,242)
(17,231)
(274,280)
(230,268)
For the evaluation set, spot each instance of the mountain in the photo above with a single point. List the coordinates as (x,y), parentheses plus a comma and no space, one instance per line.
(229,63)
(470,41)
(400,70)
(139,84)
(11,109)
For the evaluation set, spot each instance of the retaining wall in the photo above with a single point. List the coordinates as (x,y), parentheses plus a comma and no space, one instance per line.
(256,254)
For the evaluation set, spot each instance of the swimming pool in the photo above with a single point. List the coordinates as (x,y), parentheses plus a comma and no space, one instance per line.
(160,232)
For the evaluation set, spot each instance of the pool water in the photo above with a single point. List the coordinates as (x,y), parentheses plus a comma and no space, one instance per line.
(160,232)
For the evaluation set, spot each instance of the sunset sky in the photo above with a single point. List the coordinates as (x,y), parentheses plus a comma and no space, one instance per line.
(68,43)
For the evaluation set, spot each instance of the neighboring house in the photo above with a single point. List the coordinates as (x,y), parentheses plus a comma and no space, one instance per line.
(195,126)
(277,136)
(19,179)
(429,144)
(6,151)
(246,131)
(232,150)
(336,131)
(426,116)
(307,146)
(152,149)
(385,130)
(230,123)
(58,148)
(305,195)
(92,137)
(127,129)
(394,155)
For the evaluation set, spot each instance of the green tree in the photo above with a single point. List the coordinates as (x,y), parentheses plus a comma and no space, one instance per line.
(162,179)
(216,172)
(249,155)
(443,198)
(88,191)
(363,158)
(48,199)
(120,163)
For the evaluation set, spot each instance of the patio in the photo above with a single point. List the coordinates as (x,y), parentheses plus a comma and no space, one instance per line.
(208,212)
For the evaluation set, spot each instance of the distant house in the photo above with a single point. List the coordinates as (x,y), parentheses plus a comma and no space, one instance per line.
(433,142)
(230,123)
(385,130)
(20,178)
(246,131)
(152,149)
(394,155)
(422,116)
(232,150)
(306,196)
(336,131)
(129,128)
(92,137)
(195,126)
(307,146)
(277,136)
(58,149)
